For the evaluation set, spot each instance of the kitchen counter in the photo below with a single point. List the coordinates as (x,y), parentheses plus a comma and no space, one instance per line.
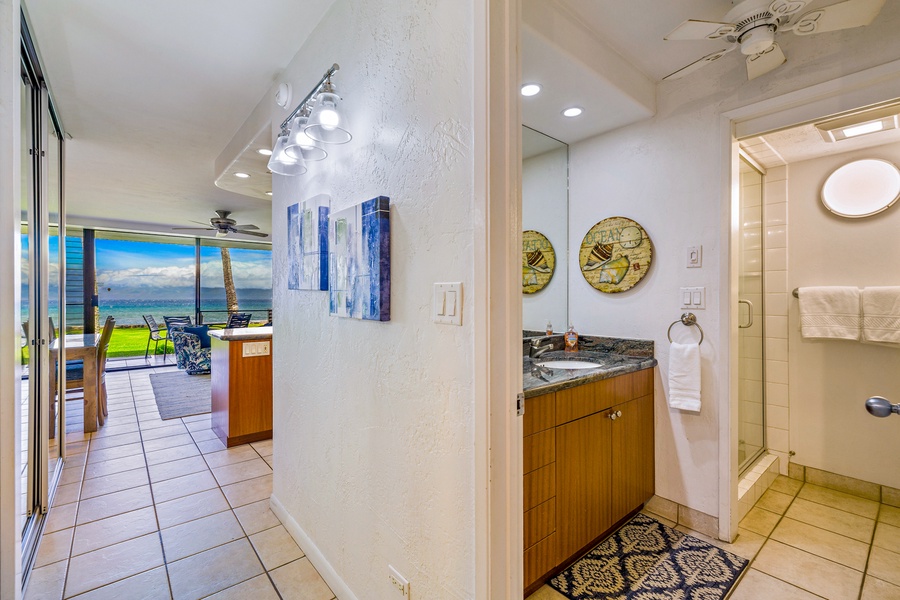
(242,334)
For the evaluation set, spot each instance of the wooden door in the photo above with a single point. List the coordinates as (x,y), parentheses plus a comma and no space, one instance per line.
(582,482)
(632,455)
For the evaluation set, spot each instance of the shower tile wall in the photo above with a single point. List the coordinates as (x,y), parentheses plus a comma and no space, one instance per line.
(776,303)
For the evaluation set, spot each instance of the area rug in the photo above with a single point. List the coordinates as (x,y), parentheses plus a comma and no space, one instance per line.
(181,395)
(646,560)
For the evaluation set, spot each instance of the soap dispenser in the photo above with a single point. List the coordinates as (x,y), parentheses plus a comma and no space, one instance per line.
(549,329)
(571,339)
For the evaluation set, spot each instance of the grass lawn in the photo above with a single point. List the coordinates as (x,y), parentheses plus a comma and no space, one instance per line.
(132,341)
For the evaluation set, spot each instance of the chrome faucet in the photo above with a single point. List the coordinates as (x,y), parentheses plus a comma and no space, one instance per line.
(537,349)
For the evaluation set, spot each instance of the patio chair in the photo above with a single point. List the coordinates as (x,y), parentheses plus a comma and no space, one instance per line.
(155,337)
(238,320)
(189,355)
(174,324)
(75,376)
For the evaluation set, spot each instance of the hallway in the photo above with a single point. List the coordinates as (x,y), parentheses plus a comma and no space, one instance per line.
(157,509)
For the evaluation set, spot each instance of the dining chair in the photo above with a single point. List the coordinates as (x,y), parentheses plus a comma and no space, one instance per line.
(102,349)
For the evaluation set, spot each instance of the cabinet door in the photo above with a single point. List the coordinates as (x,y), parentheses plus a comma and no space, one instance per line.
(632,455)
(582,482)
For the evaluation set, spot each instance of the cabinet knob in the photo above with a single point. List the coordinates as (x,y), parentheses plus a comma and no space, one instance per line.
(614,415)
(618,413)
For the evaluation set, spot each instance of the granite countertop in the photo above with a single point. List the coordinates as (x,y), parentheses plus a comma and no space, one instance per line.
(613,356)
(242,334)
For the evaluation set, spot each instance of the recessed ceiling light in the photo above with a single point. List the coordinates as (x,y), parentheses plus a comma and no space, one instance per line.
(242,175)
(573,111)
(268,193)
(265,151)
(530,89)
(862,123)
(863,129)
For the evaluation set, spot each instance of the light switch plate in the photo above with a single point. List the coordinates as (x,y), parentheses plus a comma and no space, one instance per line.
(692,298)
(694,257)
(447,303)
(256,349)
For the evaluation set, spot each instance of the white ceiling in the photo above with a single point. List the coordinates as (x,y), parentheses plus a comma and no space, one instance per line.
(151,93)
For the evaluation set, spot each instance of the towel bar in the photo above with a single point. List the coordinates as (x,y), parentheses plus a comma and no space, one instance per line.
(687,319)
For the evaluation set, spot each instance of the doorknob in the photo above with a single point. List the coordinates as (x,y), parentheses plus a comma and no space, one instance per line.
(881,407)
(749,314)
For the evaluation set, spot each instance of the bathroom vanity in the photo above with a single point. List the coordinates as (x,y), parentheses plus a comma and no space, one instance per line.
(588,454)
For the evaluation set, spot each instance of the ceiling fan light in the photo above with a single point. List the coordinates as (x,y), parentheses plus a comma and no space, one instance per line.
(327,123)
(283,164)
(221,234)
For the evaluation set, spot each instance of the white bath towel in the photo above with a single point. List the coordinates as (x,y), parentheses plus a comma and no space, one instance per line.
(881,315)
(829,312)
(684,376)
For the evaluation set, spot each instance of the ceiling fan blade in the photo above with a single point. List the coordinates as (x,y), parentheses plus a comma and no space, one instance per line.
(698,64)
(195,228)
(843,15)
(762,63)
(199,222)
(700,30)
(784,8)
(256,233)
(248,226)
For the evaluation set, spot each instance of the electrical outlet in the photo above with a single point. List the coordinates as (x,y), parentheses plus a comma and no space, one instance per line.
(398,581)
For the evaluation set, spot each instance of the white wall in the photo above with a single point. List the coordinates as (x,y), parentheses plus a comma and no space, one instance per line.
(831,379)
(545,192)
(671,174)
(374,422)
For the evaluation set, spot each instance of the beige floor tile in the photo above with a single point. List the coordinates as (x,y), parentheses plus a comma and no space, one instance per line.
(786,485)
(808,571)
(546,592)
(887,536)
(256,517)
(61,517)
(299,580)
(258,588)
(199,424)
(163,491)
(883,565)
(276,547)
(169,454)
(832,519)
(264,448)
(106,532)
(876,589)
(177,468)
(113,453)
(171,441)
(250,469)
(659,518)
(245,492)
(756,585)
(230,456)
(204,435)
(54,547)
(115,465)
(188,508)
(840,500)
(112,441)
(114,483)
(222,567)
(68,476)
(107,565)
(66,494)
(46,583)
(163,432)
(890,515)
(775,502)
(270,460)
(760,521)
(835,547)
(208,446)
(149,585)
(842,483)
(110,505)
(746,544)
(200,534)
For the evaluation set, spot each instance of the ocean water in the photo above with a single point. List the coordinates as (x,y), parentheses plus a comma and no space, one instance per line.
(129,312)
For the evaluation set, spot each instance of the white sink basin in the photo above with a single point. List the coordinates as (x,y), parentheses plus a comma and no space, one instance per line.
(569,364)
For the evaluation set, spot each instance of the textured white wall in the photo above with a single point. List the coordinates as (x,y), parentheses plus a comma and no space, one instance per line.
(671,174)
(374,425)
(831,379)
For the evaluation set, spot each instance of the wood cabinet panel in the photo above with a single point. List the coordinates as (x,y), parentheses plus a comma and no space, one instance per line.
(540,414)
(582,482)
(539,485)
(590,398)
(632,456)
(540,558)
(642,382)
(540,522)
(539,450)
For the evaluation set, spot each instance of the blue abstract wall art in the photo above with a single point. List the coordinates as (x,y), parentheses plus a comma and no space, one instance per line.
(308,244)
(360,261)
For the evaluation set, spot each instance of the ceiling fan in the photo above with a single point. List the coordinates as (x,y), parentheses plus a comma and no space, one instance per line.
(222,225)
(753,24)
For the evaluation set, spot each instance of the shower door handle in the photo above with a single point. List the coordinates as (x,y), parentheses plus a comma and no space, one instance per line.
(749,314)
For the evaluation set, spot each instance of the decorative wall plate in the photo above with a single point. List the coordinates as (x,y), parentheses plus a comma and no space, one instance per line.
(615,254)
(538,261)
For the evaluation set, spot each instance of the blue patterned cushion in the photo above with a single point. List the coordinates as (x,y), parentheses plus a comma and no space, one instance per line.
(202,332)
(189,355)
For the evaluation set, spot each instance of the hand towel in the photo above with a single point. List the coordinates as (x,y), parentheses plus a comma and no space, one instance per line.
(881,315)
(684,376)
(829,313)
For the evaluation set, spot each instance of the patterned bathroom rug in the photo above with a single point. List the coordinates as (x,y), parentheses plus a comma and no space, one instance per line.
(646,560)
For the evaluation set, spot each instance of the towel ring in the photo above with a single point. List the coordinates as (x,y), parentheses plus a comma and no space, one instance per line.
(687,319)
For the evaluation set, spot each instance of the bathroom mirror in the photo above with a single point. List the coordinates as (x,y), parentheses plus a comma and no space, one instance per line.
(862,188)
(545,209)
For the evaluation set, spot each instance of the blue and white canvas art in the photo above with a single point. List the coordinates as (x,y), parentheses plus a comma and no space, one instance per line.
(308,244)
(360,265)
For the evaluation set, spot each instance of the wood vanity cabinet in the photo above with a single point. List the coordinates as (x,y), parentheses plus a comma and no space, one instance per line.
(586,467)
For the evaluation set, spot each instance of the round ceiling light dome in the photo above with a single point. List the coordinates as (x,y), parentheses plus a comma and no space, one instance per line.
(572,111)
(862,188)
(531,89)
(265,152)
(241,175)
